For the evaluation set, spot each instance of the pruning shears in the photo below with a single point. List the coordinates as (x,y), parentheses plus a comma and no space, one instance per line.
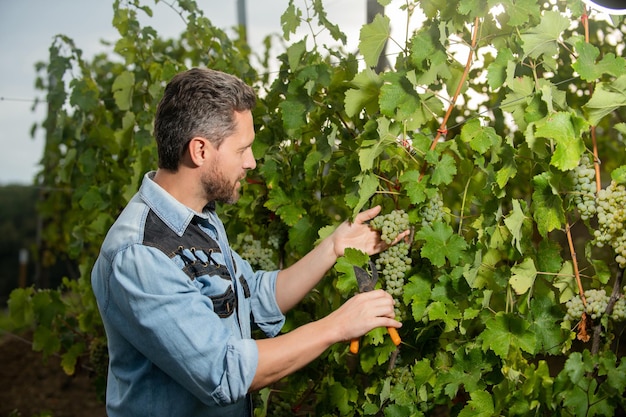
(367,282)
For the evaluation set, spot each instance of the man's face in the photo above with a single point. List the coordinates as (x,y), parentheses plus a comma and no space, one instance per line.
(230,163)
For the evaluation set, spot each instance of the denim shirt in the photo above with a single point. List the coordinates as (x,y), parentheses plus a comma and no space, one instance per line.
(177,306)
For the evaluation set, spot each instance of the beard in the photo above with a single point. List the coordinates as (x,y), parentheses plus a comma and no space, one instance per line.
(218,188)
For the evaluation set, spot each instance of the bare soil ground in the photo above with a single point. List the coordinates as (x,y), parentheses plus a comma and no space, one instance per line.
(29,387)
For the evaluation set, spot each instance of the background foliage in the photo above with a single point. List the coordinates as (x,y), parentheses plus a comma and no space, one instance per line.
(487,112)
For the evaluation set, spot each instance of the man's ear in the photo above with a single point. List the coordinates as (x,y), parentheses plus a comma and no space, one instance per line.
(200,150)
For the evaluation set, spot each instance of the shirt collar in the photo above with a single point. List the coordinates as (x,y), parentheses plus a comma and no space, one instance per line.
(176,215)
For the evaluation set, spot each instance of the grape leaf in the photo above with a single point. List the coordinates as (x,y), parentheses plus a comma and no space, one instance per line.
(546,321)
(417,292)
(587,67)
(509,168)
(70,358)
(414,188)
(480,405)
(480,138)
(523,276)
(441,243)
(368,184)
(606,98)
(506,331)
(496,72)
(616,376)
(565,282)
(294,54)
(45,340)
(20,306)
(514,222)
(322,18)
(123,89)
(398,98)
(547,205)
(290,20)
(444,170)
(285,206)
(371,149)
(365,94)
(543,38)
(372,39)
(565,129)
(447,313)
(619,175)
(293,114)
(518,12)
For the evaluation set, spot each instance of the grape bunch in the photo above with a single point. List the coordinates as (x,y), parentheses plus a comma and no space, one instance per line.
(274,241)
(99,356)
(393,264)
(252,251)
(597,301)
(611,215)
(583,179)
(390,225)
(432,211)
(619,309)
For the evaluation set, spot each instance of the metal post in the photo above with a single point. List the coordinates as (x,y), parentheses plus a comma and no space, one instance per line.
(242,17)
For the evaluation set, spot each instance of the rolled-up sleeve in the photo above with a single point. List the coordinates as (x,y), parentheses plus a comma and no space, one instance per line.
(265,310)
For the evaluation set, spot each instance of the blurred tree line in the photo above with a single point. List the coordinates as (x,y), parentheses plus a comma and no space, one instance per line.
(18,233)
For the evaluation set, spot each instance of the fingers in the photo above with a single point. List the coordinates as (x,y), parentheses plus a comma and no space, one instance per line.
(367,215)
(377,303)
(400,237)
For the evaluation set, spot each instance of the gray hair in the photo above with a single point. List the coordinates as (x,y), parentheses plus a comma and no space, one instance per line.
(198,102)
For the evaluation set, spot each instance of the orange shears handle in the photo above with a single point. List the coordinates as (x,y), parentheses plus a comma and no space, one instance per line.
(395,338)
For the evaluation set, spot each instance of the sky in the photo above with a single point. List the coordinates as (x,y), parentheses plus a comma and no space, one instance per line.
(27,28)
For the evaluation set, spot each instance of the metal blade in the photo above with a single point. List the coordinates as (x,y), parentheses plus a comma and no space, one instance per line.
(365,281)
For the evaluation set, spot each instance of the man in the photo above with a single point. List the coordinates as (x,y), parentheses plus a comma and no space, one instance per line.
(177,303)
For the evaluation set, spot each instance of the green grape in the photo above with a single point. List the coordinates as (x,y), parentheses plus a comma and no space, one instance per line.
(597,302)
(393,264)
(432,211)
(575,309)
(583,179)
(274,240)
(619,309)
(390,225)
(99,356)
(252,251)
(611,215)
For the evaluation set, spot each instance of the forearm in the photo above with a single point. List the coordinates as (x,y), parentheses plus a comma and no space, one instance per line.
(294,282)
(285,354)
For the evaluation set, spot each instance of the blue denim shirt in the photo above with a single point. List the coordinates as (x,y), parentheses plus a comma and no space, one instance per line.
(177,306)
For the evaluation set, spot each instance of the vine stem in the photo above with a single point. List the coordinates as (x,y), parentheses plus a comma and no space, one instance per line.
(442,127)
(596,158)
(572,251)
(615,294)
(582,327)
